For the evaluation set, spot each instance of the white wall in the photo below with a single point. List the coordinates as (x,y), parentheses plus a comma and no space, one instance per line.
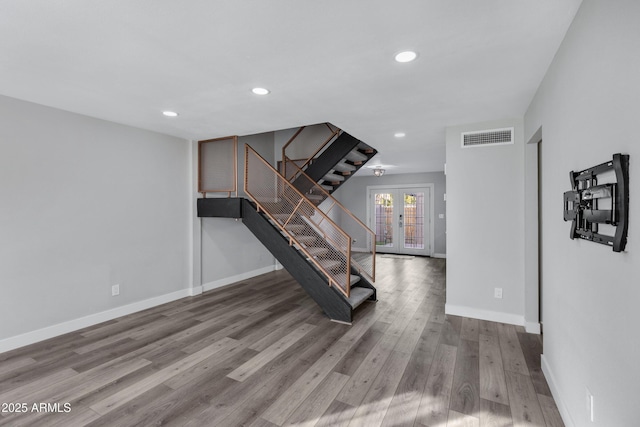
(85,204)
(353,195)
(588,107)
(485,226)
(229,251)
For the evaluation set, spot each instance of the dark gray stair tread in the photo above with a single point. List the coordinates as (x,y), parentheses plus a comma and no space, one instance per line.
(356,156)
(315,196)
(329,264)
(332,177)
(366,148)
(344,167)
(306,240)
(358,295)
(353,279)
(295,228)
(316,251)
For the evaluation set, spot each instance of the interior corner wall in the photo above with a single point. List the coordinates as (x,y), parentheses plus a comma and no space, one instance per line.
(229,251)
(485,226)
(353,195)
(587,106)
(86,204)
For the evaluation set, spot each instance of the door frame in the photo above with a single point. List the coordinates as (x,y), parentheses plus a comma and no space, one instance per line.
(533,308)
(431,188)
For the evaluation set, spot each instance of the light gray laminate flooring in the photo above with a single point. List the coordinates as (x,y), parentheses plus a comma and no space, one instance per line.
(261,353)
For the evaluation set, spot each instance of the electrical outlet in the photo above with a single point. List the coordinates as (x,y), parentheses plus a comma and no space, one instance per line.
(590,405)
(497,293)
(115,290)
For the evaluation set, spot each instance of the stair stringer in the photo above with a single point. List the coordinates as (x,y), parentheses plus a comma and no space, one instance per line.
(313,282)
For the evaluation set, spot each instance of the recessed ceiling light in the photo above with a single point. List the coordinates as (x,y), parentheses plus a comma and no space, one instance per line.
(170,113)
(260,91)
(399,134)
(406,56)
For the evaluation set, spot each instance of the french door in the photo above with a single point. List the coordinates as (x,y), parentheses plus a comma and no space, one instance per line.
(400,217)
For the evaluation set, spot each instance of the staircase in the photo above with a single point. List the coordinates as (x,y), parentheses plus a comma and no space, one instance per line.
(289,218)
(342,157)
(336,305)
(339,162)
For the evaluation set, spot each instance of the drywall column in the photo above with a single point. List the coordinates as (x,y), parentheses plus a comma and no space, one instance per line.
(485,238)
(196,224)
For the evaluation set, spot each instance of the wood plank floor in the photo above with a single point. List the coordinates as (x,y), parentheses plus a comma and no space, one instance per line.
(261,353)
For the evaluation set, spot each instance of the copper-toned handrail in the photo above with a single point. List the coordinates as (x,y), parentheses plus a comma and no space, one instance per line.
(303,211)
(313,156)
(284,147)
(285,158)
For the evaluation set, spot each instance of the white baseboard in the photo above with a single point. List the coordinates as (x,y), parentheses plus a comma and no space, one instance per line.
(439,255)
(358,249)
(33,337)
(38,335)
(238,277)
(553,386)
(475,313)
(278,266)
(195,291)
(532,327)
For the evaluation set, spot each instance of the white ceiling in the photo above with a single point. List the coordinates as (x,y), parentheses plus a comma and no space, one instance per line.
(330,60)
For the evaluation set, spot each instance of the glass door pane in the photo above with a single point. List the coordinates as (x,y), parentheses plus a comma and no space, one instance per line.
(413,226)
(383,219)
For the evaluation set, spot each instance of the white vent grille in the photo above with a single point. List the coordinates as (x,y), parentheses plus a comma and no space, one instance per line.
(484,138)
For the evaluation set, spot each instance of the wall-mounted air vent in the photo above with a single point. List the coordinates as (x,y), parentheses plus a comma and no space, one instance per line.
(483,138)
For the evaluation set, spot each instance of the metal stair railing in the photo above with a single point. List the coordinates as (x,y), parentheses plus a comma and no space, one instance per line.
(290,166)
(363,261)
(306,227)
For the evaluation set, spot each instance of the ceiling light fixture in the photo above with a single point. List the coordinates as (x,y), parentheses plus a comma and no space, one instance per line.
(399,134)
(406,56)
(170,113)
(378,171)
(260,91)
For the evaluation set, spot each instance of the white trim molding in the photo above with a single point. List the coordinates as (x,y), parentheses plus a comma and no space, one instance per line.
(439,255)
(237,278)
(555,392)
(38,335)
(533,327)
(493,316)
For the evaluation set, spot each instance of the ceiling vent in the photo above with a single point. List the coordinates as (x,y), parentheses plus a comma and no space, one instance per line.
(483,138)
